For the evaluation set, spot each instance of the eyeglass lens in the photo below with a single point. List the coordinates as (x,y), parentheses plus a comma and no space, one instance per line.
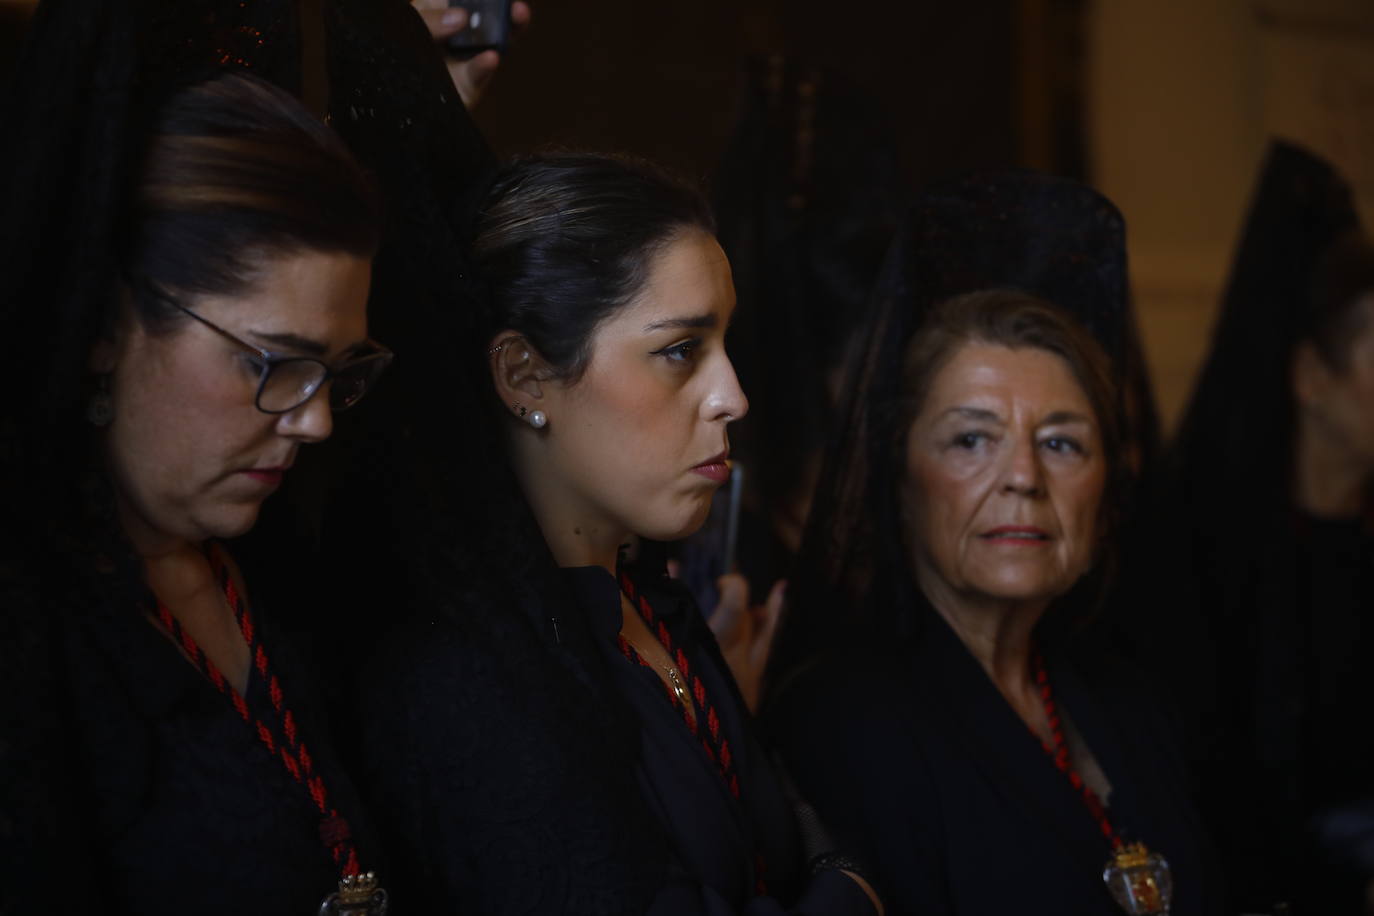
(352,381)
(291,382)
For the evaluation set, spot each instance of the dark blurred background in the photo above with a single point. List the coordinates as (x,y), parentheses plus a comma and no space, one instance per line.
(1165,105)
(665,79)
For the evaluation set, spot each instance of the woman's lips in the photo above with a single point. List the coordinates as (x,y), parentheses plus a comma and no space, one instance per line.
(716,469)
(270,477)
(1022,535)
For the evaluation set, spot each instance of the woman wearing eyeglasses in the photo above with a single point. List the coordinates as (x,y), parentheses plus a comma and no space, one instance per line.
(166,754)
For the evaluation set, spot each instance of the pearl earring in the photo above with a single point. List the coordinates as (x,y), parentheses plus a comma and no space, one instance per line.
(535,418)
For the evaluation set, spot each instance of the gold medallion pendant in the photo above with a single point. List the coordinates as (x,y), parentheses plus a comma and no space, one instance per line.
(358,895)
(1139,880)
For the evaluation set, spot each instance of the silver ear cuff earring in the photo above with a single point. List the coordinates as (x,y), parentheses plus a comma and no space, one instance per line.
(535,418)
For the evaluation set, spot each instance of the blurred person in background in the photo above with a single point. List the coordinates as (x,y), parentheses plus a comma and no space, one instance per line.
(1253,574)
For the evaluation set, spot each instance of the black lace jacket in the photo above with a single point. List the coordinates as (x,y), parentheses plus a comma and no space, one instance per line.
(145,791)
(520,764)
(913,755)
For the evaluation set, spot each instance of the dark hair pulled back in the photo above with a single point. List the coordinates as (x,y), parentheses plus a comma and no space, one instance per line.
(565,240)
(236,173)
(223,176)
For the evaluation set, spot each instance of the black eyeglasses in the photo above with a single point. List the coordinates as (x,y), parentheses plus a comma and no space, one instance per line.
(287,382)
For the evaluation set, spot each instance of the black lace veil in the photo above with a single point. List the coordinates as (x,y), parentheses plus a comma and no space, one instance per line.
(388,501)
(91,75)
(808,197)
(1220,605)
(1239,422)
(1231,464)
(1047,236)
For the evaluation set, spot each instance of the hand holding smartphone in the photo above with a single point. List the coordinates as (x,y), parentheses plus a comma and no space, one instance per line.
(488,28)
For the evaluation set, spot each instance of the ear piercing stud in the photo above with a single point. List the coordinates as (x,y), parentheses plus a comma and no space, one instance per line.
(535,418)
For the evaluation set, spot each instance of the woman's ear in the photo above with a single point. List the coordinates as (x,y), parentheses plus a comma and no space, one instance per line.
(115,332)
(519,372)
(102,358)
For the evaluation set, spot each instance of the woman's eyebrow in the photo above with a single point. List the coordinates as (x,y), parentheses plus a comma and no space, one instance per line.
(293,342)
(973,413)
(709,320)
(1066,416)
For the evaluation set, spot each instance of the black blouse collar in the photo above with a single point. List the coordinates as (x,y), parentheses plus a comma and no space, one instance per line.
(962,695)
(597,594)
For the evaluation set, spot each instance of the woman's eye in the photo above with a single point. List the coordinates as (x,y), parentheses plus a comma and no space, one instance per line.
(681,352)
(969,440)
(1064,445)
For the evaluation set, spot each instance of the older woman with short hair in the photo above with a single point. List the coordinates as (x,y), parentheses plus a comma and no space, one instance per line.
(952,728)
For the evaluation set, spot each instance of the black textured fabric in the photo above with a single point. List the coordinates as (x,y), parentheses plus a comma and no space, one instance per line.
(1049,236)
(911,753)
(144,791)
(721,845)
(520,764)
(189,811)
(502,772)
(808,196)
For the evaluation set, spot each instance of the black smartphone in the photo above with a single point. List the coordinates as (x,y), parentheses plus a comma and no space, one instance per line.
(488,27)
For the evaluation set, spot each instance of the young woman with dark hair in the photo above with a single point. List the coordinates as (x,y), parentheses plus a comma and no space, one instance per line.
(572,740)
(174,760)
